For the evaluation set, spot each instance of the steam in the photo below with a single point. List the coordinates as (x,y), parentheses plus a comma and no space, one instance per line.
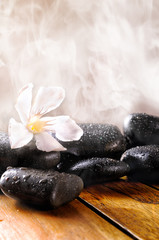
(104,53)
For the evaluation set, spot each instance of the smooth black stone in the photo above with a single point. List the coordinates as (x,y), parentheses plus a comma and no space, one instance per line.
(28,156)
(67,189)
(95,170)
(143,162)
(8,156)
(101,140)
(39,187)
(141,129)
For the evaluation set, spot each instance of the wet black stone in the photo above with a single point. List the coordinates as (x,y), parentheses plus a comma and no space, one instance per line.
(7,155)
(30,156)
(39,187)
(67,188)
(141,129)
(27,156)
(95,170)
(143,162)
(101,140)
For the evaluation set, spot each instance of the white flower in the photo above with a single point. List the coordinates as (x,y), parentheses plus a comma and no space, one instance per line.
(34,124)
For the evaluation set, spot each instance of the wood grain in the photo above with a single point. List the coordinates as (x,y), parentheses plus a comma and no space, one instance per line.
(155,186)
(73,221)
(134,206)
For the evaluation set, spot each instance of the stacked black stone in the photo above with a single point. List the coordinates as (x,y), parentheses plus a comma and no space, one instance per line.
(102,154)
(95,157)
(142,134)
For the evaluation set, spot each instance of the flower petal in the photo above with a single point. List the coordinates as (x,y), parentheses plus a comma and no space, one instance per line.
(65,128)
(47,99)
(45,142)
(23,104)
(18,134)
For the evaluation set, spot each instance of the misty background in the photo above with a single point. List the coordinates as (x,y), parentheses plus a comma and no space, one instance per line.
(104,53)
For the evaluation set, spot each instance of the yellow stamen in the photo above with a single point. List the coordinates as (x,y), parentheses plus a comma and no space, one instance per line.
(35,125)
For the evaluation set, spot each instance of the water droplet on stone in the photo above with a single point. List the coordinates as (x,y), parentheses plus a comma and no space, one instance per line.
(7,179)
(17,182)
(9,167)
(23,168)
(15,178)
(43,181)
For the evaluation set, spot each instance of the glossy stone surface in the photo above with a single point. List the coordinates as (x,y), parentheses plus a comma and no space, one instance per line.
(39,187)
(8,156)
(28,156)
(143,162)
(141,129)
(101,140)
(95,170)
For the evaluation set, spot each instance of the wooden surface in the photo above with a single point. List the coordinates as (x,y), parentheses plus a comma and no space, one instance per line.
(114,210)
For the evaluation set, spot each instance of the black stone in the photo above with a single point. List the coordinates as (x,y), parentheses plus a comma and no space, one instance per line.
(95,170)
(143,162)
(8,156)
(141,129)
(101,140)
(39,187)
(28,155)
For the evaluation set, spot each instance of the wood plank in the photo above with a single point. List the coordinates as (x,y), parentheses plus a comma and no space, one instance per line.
(134,206)
(155,186)
(73,221)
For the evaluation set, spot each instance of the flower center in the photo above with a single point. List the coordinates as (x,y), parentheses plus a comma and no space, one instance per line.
(35,125)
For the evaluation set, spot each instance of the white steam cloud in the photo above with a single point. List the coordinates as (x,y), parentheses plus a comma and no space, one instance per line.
(105,53)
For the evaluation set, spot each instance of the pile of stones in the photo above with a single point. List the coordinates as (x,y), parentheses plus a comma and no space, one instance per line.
(102,154)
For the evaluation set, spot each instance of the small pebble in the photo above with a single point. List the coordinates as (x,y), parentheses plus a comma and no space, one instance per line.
(141,129)
(40,187)
(143,162)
